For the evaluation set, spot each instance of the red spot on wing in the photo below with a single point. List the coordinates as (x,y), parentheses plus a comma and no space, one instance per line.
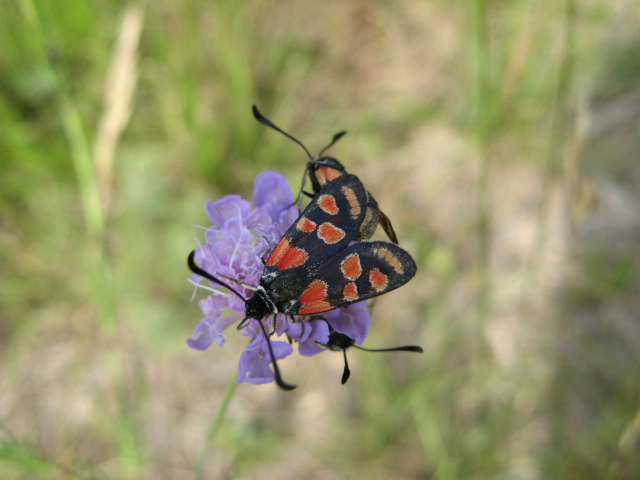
(351,267)
(350,292)
(294,257)
(328,204)
(378,280)
(353,201)
(278,252)
(314,298)
(391,259)
(285,256)
(305,225)
(315,291)
(315,307)
(326,174)
(330,233)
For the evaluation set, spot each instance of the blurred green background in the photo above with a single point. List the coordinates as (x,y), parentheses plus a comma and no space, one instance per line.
(501,137)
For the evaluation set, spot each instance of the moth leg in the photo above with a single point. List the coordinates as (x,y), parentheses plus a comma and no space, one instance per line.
(242,324)
(302,184)
(266,254)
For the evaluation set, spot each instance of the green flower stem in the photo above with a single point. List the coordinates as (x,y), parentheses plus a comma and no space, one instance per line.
(215,428)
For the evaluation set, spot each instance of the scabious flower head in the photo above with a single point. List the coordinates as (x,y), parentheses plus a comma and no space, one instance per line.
(240,235)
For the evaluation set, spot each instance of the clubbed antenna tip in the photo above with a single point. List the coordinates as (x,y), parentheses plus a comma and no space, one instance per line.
(265,121)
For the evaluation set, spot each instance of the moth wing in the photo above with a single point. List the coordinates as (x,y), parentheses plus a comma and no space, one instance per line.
(359,272)
(331,220)
(387,227)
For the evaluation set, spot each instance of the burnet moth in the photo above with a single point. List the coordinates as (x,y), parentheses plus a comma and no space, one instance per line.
(322,170)
(340,342)
(314,269)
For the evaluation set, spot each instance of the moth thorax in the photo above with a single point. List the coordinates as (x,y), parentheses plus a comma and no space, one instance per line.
(324,170)
(323,162)
(259,305)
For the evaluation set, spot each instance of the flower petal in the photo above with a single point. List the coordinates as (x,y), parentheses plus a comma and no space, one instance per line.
(230,206)
(317,333)
(272,192)
(352,320)
(253,366)
(210,330)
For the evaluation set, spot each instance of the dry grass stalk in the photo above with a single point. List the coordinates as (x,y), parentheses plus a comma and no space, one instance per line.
(119,86)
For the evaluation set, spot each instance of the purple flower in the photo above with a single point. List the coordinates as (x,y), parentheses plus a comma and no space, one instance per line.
(352,321)
(254,361)
(309,335)
(237,240)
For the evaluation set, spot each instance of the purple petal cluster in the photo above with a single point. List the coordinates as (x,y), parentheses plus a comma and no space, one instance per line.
(240,235)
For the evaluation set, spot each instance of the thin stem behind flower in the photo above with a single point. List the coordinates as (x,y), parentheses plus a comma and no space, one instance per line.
(213,431)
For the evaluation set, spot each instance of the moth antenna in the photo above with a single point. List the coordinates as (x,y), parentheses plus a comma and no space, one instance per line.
(238,282)
(263,120)
(404,348)
(336,137)
(276,371)
(346,373)
(198,271)
(340,341)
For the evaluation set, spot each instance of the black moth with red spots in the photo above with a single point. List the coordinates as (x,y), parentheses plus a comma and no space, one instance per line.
(322,170)
(313,269)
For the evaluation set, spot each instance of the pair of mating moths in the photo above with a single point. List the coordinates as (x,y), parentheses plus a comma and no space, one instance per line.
(313,268)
